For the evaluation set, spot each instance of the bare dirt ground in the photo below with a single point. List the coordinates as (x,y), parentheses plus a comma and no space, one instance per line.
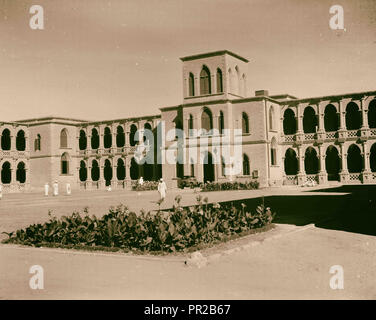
(315,230)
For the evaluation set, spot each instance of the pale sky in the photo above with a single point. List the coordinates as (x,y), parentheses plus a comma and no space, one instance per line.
(100,60)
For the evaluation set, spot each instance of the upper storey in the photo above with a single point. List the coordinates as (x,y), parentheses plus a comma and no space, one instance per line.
(215,75)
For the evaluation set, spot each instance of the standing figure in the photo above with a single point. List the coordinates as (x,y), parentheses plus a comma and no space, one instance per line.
(56,188)
(162,188)
(68,188)
(46,189)
(141,181)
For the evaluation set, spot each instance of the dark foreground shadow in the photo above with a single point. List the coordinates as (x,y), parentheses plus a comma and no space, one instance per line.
(352,212)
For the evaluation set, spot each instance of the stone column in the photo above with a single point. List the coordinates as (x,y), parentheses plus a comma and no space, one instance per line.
(364,130)
(344,174)
(301,172)
(322,176)
(342,132)
(366,174)
(127,163)
(320,124)
(299,118)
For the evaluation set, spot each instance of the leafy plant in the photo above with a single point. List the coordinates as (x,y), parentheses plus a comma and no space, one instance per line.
(176,230)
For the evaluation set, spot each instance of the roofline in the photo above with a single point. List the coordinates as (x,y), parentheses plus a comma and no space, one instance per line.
(155,116)
(332,97)
(220,101)
(212,54)
(50,118)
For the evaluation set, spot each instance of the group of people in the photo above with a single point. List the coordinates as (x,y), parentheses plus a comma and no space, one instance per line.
(55,189)
(162,188)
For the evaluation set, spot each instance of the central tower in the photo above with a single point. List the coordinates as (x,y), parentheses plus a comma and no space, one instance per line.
(214,75)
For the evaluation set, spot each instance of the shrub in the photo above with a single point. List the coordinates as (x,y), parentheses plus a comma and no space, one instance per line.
(147,185)
(169,231)
(220,186)
(189,182)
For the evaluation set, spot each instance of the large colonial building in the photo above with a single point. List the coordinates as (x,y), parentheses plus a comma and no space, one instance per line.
(285,140)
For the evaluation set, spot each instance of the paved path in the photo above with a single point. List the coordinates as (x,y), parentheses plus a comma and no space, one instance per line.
(294,266)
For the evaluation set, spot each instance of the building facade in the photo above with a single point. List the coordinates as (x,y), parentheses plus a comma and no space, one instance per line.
(284,140)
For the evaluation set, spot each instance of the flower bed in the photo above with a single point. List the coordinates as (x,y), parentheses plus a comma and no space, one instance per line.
(221,186)
(177,230)
(147,185)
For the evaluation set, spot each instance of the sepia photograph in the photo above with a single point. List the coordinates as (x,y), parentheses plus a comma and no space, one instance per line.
(201,151)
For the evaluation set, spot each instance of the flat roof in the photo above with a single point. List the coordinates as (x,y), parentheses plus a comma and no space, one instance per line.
(213,54)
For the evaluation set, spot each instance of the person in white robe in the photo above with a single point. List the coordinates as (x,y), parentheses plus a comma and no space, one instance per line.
(56,188)
(46,189)
(162,188)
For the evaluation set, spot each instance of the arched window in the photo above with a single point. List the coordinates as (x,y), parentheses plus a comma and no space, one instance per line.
(83,171)
(134,169)
(190,125)
(132,134)
(273,152)
(219,81)
(353,116)
(311,161)
(65,163)
(94,139)
(291,162)
(207,120)
(64,139)
(223,166)
(148,132)
(372,158)
(331,118)
(120,137)
(245,123)
(20,141)
(37,143)
(191,85)
(192,165)
(372,114)
(120,170)
(107,172)
(332,163)
(246,171)
(107,138)
(5,140)
(221,122)
(6,175)
(289,122)
(21,172)
(354,159)
(95,170)
(205,83)
(244,85)
(237,80)
(309,120)
(271,119)
(82,142)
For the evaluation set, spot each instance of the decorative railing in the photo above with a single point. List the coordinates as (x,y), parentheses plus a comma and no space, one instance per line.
(291,180)
(372,132)
(352,133)
(289,138)
(331,135)
(309,136)
(355,176)
(121,183)
(311,177)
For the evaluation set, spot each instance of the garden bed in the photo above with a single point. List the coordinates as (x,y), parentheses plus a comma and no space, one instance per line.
(183,229)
